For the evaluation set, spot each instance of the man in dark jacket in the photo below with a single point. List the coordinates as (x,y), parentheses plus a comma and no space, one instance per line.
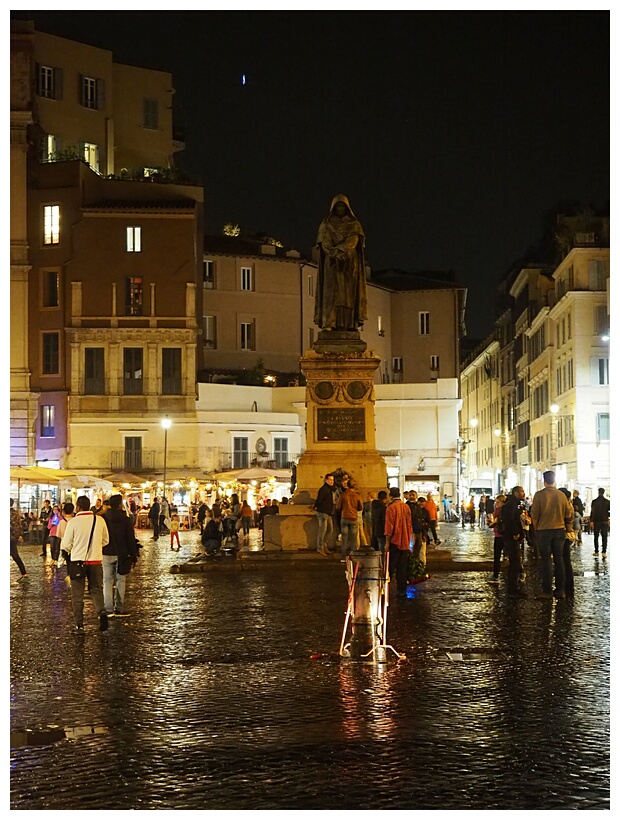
(324,508)
(202,514)
(118,556)
(212,536)
(154,518)
(377,513)
(599,516)
(513,534)
(46,511)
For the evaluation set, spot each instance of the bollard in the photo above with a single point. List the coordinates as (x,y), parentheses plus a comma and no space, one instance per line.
(367,615)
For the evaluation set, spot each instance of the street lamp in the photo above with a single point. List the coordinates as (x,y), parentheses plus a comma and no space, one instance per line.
(165,423)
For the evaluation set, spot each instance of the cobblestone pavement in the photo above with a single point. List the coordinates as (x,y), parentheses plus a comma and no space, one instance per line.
(207,698)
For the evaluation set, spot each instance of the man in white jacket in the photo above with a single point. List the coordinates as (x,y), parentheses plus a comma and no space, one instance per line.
(76,542)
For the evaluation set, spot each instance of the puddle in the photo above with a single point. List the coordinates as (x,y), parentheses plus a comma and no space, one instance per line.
(473,654)
(52,734)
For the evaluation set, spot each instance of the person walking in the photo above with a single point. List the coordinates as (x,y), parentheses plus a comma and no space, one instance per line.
(398,532)
(432,514)
(552,517)
(569,543)
(174,531)
(154,514)
(67,514)
(84,539)
(498,541)
(377,512)
(349,504)
(15,538)
(118,556)
(599,520)
(471,512)
(46,511)
(324,509)
(509,525)
(482,511)
(246,519)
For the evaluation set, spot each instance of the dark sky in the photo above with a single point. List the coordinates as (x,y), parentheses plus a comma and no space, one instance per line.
(451,132)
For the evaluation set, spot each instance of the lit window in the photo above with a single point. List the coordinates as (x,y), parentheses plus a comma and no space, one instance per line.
(50,354)
(424,323)
(133,296)
(247,335)
(134,240)
(90,153)
(208,273)
(148,172)
(210,332)
(246,278)
(47,421)
(51,224)
(151,119)
(49,148)
(380,329)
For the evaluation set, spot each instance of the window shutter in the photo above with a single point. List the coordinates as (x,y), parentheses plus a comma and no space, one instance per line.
(100,94)
(58,83)
(81,99)
(37,78)
(82,150)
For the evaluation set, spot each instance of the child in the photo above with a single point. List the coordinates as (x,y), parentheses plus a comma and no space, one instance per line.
(174,530)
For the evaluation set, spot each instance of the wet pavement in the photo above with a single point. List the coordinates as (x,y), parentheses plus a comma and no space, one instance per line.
(206,696)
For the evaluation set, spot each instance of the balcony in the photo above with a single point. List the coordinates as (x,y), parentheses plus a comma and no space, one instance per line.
(268,461)
(134,461)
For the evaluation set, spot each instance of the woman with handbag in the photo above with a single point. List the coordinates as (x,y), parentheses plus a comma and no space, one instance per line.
(118,556)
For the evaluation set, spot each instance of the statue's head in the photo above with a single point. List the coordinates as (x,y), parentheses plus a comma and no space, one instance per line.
(340,206)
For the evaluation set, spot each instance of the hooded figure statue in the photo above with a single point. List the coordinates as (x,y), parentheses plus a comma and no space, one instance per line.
(340,302)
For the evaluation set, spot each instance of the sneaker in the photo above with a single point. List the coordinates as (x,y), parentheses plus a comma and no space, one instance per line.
(604,555)
(437,543)
(494,579)
(595,553)
(103,621)
(24,579)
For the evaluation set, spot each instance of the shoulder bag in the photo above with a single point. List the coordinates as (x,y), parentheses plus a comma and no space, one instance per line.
(76,569)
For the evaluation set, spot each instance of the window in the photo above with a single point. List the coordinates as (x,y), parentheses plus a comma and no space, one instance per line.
(171,371)
(240,453)
(133,296)
(569,330)
(246,278)
(599,371)
(280,453)
(247,335)
(49,288)
(540,400)
(424,322)
(210,332)
(148,172)
(397,364)
(601,319)
(94,373)
(91,93)
(380,329)
(596,274)
(565,431)
(49,82)
(134,240)
(602,427)
(538,343)
(434,362)
(47,421)
(50,146)
(208,273)
(51,224)
(133,453)
(151,119)
(90,154)
(310,285)
(51,354)
(132,371)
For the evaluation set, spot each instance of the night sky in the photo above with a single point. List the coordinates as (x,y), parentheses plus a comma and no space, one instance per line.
(452,133)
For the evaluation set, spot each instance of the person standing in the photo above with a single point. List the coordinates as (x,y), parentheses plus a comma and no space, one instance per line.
(482,511)
(398,532)
(490,510)
(377,511)
(569,542)
(84,538)
(498,541)
(97,507)
(510,525)
(67,514)
(324,508)
(599,518)
(154,514)
(552,517)
(579,512)
(349,504)
(46,511)
(471,512)
(246,519)
(174,531)
(118,556)
(432,514)
(202,514)
(15,538)
(446,508)
(52,525)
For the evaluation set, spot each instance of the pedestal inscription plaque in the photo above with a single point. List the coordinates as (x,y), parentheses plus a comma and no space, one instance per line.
(340,424)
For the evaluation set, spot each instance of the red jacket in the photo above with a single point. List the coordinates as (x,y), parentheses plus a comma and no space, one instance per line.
(398,529)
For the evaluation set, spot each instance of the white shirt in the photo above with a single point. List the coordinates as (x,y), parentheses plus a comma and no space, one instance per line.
(77,533)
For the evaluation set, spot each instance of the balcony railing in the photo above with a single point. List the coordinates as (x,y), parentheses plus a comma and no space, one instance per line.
(134,461)
(268,461)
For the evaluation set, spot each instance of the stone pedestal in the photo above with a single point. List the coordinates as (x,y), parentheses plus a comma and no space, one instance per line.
(340,398)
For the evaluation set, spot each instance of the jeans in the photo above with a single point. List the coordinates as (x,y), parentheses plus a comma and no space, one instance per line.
(515,567)
(94,574)
(600,529)
(155,523)
(16,558)
(380,541)
(113,602)
(348,528)
(551,542)
(246,521)
(434,530)
(325,529)
(498,546)
(399,566)
(54,547)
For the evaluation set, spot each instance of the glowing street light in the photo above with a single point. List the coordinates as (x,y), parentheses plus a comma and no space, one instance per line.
(473,422)
(555,409)
(166,424)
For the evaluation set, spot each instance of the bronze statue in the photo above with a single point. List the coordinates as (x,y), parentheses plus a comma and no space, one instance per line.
(340,301)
